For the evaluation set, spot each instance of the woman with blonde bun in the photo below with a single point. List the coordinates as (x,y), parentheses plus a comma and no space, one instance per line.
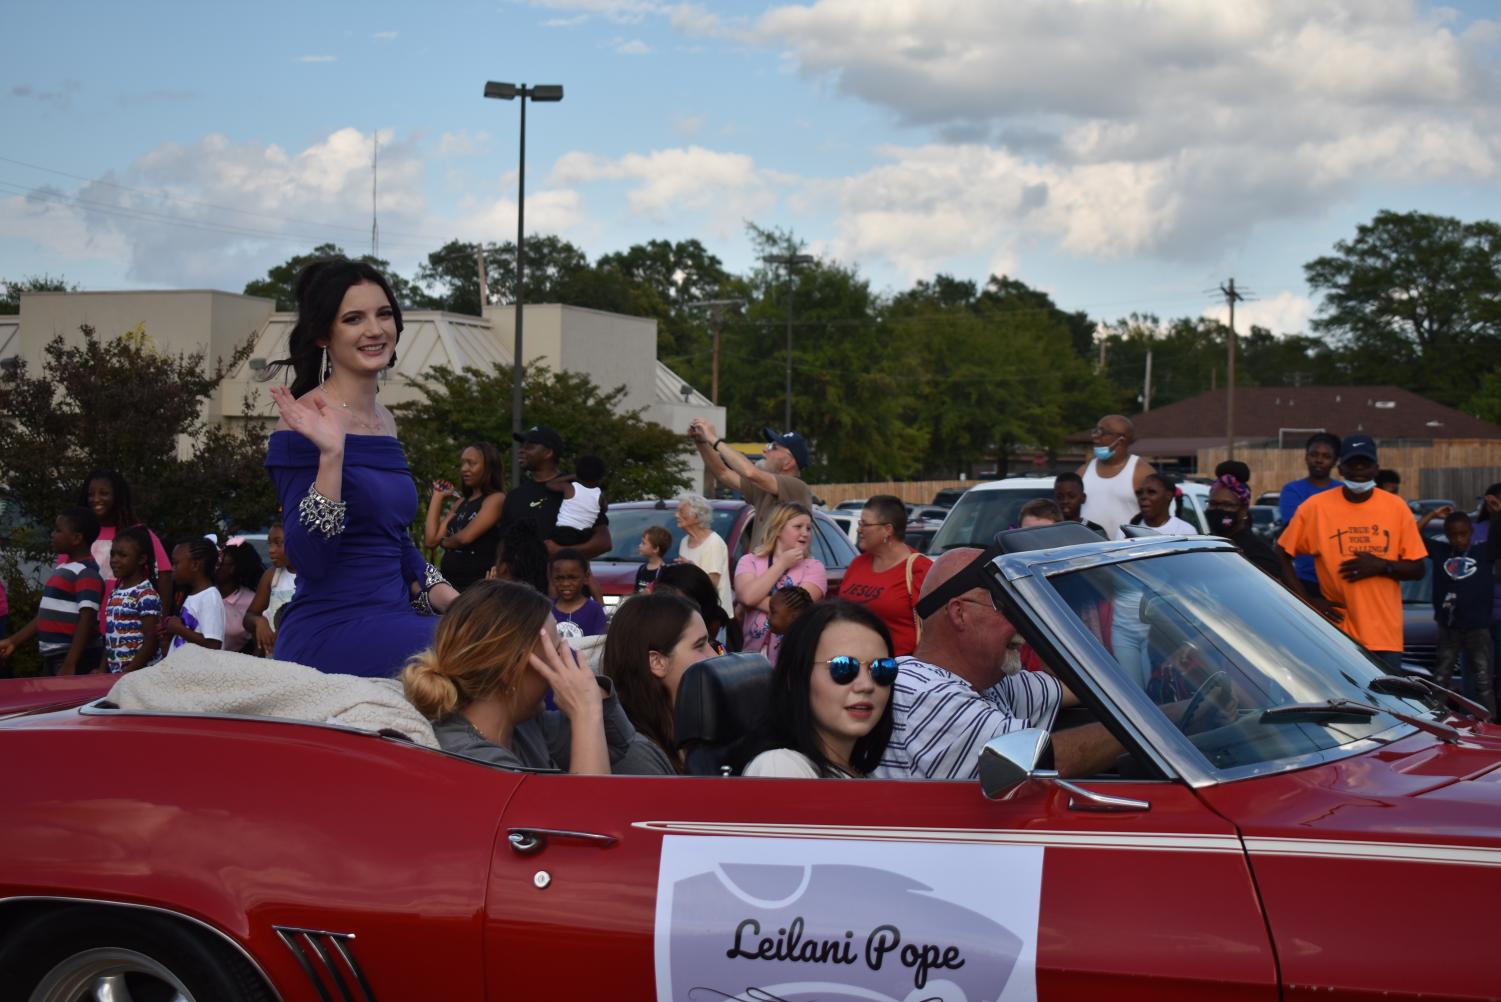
(495,655)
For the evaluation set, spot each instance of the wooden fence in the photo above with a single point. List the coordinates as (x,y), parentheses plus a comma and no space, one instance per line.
(1468,467)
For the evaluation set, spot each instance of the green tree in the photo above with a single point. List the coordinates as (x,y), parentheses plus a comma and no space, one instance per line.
(1415,299)
(119,403)
(11,290)
(457,408)
(277,285)
(450,276)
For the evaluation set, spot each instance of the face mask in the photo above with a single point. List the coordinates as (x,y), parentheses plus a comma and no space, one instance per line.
(1360,486)
(1221,523)
(1102,452)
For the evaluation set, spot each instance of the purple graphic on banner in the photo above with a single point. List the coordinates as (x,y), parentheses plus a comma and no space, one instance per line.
(830,931)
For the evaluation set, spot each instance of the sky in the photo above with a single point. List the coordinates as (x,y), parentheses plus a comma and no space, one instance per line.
(1123,155)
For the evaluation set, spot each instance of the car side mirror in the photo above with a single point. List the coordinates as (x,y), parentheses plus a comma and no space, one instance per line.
(1008,761)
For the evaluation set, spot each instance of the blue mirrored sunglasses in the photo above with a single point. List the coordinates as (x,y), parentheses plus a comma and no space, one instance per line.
(843,669)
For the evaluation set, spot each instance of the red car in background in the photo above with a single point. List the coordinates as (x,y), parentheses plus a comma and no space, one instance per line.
(1304,825)
(615,571)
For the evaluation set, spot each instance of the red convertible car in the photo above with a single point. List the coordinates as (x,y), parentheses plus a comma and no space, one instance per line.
(1328,831)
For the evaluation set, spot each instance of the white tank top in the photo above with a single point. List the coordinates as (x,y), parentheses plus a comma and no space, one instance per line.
(1110,502)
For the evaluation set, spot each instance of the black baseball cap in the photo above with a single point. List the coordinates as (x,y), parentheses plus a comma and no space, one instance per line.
(542,435)
(792,442)
(1355,446)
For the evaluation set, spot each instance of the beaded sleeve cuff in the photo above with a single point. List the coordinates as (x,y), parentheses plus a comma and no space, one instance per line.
(431,577)
(321,516)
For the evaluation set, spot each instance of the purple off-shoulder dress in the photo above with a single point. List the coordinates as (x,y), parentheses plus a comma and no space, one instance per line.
(351,613)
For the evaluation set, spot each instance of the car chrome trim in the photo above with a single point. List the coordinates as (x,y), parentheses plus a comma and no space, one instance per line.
(1131,841)
(527,841)
(233,943)
(1081,799)
(320,941)
(1410,852)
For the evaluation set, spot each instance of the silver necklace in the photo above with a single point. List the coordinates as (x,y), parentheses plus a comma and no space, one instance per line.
(354,419)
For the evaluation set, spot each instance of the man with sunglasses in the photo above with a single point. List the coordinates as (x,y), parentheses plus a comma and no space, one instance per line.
(962,687)
(773,479)
(1112,475)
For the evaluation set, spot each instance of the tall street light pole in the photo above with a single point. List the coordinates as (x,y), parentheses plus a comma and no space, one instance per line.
(507,92)
(788,261)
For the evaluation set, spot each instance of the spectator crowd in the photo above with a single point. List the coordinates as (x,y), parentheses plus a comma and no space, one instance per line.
(504,642)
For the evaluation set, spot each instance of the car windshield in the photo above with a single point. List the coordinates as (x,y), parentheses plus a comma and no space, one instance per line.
(627,525)
(1215,644)
(979,515)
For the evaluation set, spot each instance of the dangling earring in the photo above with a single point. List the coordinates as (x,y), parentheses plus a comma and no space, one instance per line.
(323,371)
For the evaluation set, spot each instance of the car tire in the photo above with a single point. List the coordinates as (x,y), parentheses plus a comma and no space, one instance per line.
(82,953)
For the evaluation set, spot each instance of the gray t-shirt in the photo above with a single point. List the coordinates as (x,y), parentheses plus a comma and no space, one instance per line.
(789,488)
(544,741)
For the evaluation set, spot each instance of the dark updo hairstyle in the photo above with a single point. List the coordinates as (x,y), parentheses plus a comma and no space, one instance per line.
(693,583)
(790,722)
(124,512)
(205,552)
(319,290)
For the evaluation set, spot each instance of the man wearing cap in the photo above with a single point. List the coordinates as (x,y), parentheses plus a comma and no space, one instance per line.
(1363,542)
(775,478)
(531,501)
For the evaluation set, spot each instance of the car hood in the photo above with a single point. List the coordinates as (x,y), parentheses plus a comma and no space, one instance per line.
(615,577)
(1416,790)
(36,695)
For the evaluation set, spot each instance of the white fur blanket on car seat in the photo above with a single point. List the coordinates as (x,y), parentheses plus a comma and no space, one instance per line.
(194,679)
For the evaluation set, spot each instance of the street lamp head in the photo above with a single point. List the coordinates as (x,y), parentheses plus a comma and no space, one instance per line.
(545,92)
(504,91)
(788,259)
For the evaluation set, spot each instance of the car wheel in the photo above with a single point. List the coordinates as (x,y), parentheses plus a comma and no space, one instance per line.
(85,954)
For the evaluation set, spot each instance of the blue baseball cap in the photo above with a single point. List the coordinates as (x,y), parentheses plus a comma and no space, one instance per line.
(1355,446)
(792,442)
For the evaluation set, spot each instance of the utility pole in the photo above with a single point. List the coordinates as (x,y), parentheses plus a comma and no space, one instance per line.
(374,179)
(1231,296)
(484,278)
(1146,388)
(716,309)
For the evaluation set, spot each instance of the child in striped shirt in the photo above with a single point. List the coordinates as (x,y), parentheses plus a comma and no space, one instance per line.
(66,627)
(134,607)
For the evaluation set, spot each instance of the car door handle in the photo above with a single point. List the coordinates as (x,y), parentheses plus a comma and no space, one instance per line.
(1081,799)
(526,841)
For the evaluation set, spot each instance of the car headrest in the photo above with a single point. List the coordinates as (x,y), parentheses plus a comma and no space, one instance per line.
(1044,537)
(720,700)
(1139,531)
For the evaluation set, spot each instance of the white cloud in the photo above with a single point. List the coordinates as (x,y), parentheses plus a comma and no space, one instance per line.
(385,36)
(688,126)
(1284,313)
(635,47)
(1159,127)
(726,188)
(463,143)
(317,59)
(565,22)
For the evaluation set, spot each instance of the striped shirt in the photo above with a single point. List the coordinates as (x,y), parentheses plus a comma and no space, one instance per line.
(73,587)
(940,722)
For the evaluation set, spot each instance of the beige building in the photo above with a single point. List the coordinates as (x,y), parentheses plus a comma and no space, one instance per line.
(613,350)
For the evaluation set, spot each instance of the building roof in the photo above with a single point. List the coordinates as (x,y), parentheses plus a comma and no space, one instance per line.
(1283,415)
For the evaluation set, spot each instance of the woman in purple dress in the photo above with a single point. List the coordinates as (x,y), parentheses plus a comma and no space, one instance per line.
(346,494)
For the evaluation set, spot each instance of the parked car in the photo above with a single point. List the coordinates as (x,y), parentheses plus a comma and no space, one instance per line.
(852,504)
(615,570)
(1419,629)
(1264,847)
(949,496)
(990,507)
(849,522)
(1272,498)
(1423,506)
(1266,521)
(927,513)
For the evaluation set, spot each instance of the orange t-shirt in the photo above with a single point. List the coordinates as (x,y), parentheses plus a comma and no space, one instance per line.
(1333,530)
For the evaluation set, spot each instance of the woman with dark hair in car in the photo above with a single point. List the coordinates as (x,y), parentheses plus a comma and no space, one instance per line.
(469,530)
(652,641)
(342,480)
(830,710)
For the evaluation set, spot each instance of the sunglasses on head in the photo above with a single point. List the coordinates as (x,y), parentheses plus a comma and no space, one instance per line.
(843,669)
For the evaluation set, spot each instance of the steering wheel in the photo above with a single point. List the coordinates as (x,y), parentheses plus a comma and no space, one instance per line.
(1218,680)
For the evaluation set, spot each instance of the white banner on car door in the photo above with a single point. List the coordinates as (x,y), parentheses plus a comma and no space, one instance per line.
(793,920)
